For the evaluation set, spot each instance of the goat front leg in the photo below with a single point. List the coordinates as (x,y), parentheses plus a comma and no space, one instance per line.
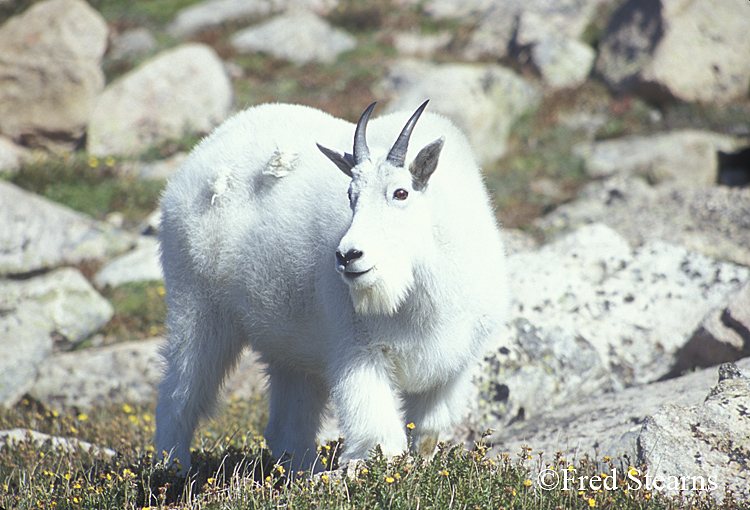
(434,411)
(368,410)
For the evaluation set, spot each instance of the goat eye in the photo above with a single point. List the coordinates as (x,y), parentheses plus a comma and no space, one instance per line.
(400,194)
(349,194)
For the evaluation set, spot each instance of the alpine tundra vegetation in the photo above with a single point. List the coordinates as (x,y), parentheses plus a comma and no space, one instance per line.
(376,287)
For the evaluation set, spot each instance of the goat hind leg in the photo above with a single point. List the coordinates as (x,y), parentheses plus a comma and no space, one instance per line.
(203,347)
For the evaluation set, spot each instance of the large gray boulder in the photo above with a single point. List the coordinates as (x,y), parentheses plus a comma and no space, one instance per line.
(11,156)
(723,336)
(706,444)
(687,157)
(185,89)
(713,221)
(563,61)
(299,36)
(132,43)
(591,314)
(160,170)
(61,303)
(456,9)
(140,264)
(692,50)
(127,372)
(39,234)
(50,75)
(414,44)
(124,373)
(548,32)
(669,425)
(483,100)
(190,21)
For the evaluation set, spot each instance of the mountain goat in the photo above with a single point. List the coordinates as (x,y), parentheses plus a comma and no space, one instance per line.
(375,286)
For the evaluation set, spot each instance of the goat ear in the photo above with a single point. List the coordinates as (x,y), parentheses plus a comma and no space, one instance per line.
(345,162)
(426,162)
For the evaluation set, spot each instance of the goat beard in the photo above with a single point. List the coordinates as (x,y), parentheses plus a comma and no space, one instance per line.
(384,296)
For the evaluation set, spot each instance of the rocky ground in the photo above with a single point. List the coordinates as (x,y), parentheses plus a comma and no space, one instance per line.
(629,291)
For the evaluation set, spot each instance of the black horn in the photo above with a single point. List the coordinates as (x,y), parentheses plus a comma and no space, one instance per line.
(361,152)
(398,152)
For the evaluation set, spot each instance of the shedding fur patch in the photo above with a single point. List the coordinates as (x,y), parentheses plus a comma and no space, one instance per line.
(281,163)
(221,184)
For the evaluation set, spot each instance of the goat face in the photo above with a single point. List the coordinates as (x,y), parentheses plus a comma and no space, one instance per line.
(390,219)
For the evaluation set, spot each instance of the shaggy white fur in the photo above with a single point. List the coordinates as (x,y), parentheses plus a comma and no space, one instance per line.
(250,231)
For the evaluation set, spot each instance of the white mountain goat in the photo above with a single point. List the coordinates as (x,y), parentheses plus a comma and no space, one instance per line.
(380,299)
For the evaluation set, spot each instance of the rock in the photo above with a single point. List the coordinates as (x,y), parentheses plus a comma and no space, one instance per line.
(192,20)
(483,100)
(141,264)
(690,50)
(723,336)
(127,372)
(124,373)
(563,62)
(39,234)
(11,156)
(58,42)
(688,157)
(590,315)
(590,123)
(214,13)
(510,26)
(299,36)
(516,240)
(15,436)
(155,170)
(415,44)
(62,303)
(132,43)
(704,445)
(713,221)
(185,89)
(609,424)
(452,9)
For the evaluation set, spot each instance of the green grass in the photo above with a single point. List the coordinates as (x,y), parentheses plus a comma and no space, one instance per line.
(233,470)
(158,12)
(90,185)
(140,311)
(536,151)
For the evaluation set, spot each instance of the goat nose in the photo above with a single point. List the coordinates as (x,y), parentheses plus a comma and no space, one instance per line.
(343,259)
